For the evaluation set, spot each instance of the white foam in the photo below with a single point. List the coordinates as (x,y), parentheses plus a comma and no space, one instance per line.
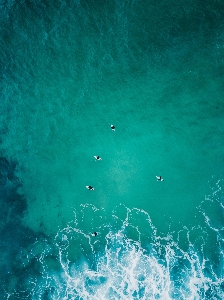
(124,269)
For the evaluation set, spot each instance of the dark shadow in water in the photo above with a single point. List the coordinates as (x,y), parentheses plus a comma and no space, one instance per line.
(14,236)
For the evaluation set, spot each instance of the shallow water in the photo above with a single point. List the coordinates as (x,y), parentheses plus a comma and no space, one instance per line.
(70,69)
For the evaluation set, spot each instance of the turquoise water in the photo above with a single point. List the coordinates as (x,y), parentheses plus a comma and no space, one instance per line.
(70,69)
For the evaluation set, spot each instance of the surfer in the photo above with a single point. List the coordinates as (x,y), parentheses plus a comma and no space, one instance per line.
(90,188)
(159,178)
(112,127)
(97,157)
(94,233)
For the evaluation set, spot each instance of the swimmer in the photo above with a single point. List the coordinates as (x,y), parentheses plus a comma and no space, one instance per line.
(97,157)
(159,178)
(112,127)
(94,234)
(90,188)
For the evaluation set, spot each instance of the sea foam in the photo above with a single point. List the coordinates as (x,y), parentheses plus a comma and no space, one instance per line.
(114,266)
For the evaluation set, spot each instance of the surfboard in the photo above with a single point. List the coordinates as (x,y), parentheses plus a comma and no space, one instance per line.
(112,126)
(87,186)
(97,159)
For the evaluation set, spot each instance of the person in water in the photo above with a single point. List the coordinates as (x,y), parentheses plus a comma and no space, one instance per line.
(89,187)
(159,178)
(94,233)
(98,158)
(112,127)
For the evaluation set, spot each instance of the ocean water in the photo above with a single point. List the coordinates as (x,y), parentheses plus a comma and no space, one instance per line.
(70,69)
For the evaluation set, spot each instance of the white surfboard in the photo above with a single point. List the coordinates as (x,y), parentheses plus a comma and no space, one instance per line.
(87,186)
(159,178)
(97,158)
(111,126)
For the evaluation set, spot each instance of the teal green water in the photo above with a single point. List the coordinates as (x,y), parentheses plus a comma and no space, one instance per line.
(70,69)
